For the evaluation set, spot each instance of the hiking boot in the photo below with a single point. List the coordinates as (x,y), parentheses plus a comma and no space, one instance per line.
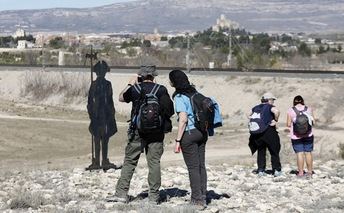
(117,199)
(106,165)
(278,173)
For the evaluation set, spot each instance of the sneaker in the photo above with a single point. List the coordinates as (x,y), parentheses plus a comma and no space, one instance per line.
(154,199)
(117,199)
(308,175)
(300,174)
(199,205)
(278,173)
(261,174)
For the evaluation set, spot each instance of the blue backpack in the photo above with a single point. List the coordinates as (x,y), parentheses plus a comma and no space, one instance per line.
(206,112)
(217,118)
(258,123)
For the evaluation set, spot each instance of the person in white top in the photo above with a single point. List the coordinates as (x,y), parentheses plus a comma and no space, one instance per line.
(300,120)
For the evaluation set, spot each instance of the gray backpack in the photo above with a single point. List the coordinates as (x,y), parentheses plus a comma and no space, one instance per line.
(301,125)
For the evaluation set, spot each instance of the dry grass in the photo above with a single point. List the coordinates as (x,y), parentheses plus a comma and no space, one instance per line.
(24,199)
(230,78)
(41,84)
(64,197)
(251,80)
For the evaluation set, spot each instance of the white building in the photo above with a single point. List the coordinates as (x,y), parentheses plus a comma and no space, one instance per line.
(19,33)
(160,43)
(222,23)
(22,44)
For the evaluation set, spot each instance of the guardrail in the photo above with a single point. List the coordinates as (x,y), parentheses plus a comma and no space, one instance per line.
(199,69)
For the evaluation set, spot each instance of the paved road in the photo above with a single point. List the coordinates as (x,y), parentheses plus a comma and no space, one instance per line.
(289,74)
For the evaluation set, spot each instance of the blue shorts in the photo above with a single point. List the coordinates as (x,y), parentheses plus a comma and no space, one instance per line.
(303,144)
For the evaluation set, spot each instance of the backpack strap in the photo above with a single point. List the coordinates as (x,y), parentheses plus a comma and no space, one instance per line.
(191,97)
(297,112)
(139,90)
(155,89)
(137,87)
(300,112)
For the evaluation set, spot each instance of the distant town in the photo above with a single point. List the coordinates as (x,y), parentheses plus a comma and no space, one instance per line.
(223,45)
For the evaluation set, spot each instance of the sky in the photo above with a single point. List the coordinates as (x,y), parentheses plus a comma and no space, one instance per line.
(40,4)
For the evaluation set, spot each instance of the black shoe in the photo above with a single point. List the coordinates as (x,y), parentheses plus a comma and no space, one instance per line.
(106,165)
(93,166)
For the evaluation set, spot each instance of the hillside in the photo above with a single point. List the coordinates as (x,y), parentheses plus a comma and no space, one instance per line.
(177,15)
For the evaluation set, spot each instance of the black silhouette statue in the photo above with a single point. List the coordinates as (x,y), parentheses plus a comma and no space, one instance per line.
(101,111)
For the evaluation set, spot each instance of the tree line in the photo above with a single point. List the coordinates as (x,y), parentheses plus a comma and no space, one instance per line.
(249,50)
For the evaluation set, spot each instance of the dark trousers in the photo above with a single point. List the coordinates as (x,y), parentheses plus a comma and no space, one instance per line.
(193,149)
(268,140)
(101,142)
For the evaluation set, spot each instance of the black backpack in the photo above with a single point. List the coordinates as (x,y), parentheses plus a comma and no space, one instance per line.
(148,116)
(301,125)
(257,123)
(204,111)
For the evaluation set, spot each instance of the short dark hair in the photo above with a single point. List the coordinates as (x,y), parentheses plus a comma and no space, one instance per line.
(148,77)
(298,100)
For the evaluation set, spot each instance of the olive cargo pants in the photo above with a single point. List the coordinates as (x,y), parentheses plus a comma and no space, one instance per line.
(133,149)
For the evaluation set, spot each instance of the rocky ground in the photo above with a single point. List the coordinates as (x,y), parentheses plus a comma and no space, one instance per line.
(230,189)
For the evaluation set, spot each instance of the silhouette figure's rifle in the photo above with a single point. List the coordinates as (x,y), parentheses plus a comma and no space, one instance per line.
(92,56)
